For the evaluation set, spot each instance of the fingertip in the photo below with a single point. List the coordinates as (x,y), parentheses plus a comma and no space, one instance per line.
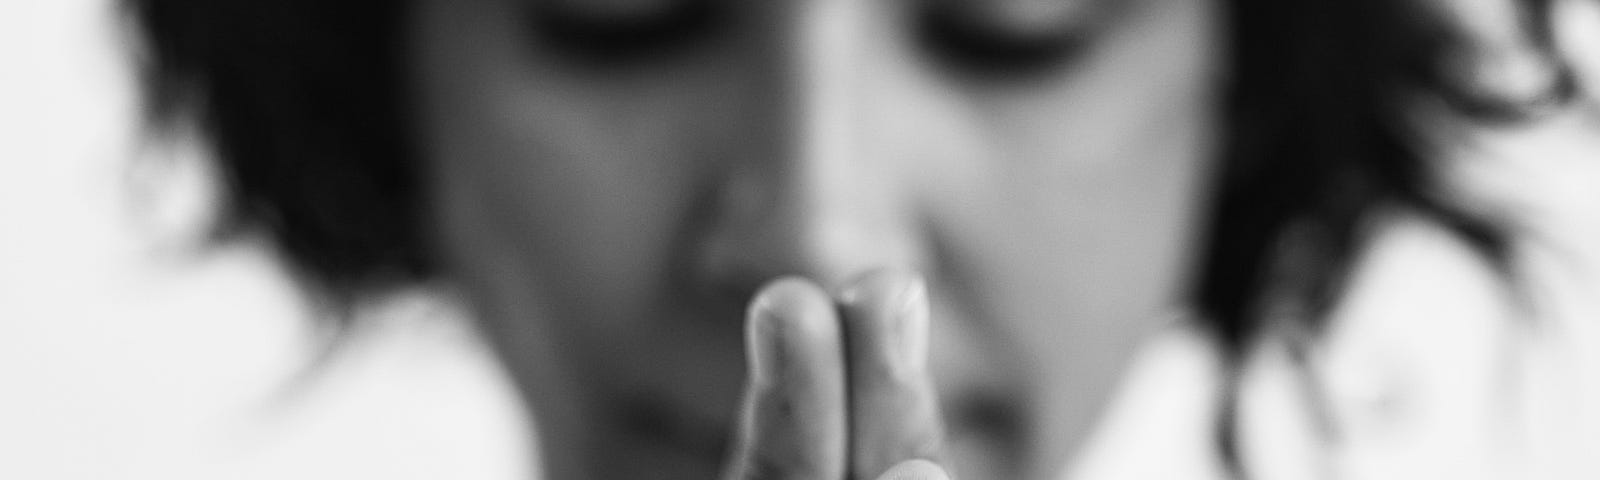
(794,306)
(886,315)
(887,310)
(794,423)
(790,316)
(876,285)
(915,469)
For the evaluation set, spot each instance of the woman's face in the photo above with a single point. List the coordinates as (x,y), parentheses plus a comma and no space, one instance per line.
(613,179)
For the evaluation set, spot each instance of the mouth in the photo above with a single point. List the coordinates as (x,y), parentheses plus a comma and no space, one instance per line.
(984,436)
(646,420)
(981,427)
(985,422)
(985,415)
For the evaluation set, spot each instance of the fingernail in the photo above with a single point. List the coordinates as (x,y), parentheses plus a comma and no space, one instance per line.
(912,314)
(917,469)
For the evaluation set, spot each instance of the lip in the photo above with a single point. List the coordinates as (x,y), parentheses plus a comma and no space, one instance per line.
(984,414)
(647,420)
(972,418)
(659,416)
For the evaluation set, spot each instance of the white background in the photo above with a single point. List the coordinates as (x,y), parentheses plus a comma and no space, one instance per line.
(127,350)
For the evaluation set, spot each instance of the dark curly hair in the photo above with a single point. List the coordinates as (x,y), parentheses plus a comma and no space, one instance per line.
(1318,140)
(305,105)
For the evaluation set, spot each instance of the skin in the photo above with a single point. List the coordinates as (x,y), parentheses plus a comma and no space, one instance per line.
(620,224)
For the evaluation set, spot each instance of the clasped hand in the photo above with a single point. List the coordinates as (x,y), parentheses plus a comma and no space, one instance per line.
(838,385)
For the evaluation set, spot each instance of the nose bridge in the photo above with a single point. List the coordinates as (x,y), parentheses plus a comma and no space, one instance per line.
(829,210)
(828,39)
(813,202)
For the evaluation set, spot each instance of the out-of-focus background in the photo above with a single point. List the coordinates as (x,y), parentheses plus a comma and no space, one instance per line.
(129,351)
(132,347)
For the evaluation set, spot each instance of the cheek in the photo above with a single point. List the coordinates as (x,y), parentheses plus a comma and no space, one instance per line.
(1083,261)
(596,205)
(1079,229)
(582,183)
(1083,219)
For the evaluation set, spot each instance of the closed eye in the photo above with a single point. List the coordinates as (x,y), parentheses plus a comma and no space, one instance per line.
(968,43)
(618,39)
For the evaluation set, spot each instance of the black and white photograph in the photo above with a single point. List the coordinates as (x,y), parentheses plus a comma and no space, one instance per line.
(800,239)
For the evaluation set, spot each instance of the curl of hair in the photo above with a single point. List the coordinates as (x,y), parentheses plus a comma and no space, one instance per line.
(303,104)
(1318,140)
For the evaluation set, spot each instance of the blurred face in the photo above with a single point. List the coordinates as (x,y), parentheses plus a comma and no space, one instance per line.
(613,179)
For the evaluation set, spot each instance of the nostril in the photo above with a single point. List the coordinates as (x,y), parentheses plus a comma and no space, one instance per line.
(717,296)
(759,221)
(722,273)
(733,264)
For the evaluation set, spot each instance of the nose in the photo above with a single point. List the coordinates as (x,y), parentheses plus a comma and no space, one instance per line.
(807,193)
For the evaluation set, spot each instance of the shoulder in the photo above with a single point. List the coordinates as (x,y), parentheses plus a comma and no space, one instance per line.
(1406,378)
(1415,272)
(1161,423)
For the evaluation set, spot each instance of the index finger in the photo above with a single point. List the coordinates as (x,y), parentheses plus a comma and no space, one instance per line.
(894,409)
(794,419)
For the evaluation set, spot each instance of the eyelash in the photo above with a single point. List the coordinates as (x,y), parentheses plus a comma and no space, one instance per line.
(942,34)
(611,41)
(990,51)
